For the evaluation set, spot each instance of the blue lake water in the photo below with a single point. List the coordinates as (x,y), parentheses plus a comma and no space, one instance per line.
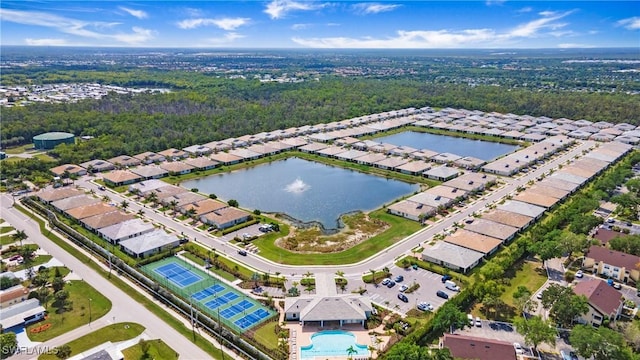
(304,190)
(484,150)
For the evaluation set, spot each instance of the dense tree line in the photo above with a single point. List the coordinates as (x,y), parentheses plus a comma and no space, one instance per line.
(214,109)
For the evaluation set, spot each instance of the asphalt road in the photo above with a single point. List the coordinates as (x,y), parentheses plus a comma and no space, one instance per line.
(124,308)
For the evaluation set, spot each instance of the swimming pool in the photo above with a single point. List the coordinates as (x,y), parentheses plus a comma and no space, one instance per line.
(331,343)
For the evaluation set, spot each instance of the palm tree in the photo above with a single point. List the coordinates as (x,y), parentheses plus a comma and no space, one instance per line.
(124,204)
(373,276)
(340,273)
(140,212)
(172,205)
(351,351)
(19,235)
(152,197)
(106,198)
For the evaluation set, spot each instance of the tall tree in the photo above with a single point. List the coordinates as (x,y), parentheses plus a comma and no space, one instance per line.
(448,318)
(19,235)
(601,343)
(535,331)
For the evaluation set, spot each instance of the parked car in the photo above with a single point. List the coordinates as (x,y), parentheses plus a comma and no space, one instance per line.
(242,252)
(403,297)
(579,274)
(399,278)
(518,348)
(425,306)
(404,288)
(478,322)
(539,295)
(391,284)
(415,266)
(442,294)
(102,188)
(451,285)
(445,278)
(385,281)
(470,317)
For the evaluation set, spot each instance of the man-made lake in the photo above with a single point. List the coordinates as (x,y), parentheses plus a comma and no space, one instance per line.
(304,190)
(484,150)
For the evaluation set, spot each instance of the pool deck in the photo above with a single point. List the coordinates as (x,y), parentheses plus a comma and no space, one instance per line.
(302,337)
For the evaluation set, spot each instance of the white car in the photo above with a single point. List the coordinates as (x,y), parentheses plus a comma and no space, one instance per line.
(579,274)
(518,348)
(425,306)
(404,288)
(385,281)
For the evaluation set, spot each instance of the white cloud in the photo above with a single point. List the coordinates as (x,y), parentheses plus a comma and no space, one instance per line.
(228,24)
(277,9)
(76,27)
(533,27)
(448,38)
(46,42)
(526,9)
(574,46)
(226,39)
(495,2)
(373,8)
(300,26)
(632,23)
(405,40)
(135,13)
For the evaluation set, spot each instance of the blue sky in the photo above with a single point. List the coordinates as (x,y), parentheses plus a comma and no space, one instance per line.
(322,24)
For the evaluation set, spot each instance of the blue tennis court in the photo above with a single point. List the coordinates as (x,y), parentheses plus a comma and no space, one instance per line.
(178,274)
(230,296)
(236,309)
(251,319)
(211,290)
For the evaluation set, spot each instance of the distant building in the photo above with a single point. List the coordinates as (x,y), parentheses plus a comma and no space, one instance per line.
(341,309)
(612,264)
(13,295)
(22,313)
(48,141)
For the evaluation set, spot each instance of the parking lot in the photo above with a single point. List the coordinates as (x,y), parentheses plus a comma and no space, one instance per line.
(429,283)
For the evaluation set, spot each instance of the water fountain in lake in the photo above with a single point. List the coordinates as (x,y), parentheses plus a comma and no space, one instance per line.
(297,186)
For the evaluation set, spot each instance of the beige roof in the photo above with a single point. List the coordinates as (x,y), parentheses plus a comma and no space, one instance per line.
(204,206)
(59,193)
(491,228)
(120,176)
(446,191)
(89,210)
(531,197)
(225,215)
(125,160)
(107,219)
(201,162)
(574,170)
(411,208)
(176,166)
(224,157)
(74,202)
(417,166)
(558,183)
(71,168)
(473,241)
(507,218)
(166,191)
(548,191)
(173,153)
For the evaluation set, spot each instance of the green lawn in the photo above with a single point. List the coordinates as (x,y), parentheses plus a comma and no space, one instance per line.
(266,335)
(399,229)
(7,239)
(157,350)
(527,274)
(79,294)
(19,149)
(6,229)
(113,333)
